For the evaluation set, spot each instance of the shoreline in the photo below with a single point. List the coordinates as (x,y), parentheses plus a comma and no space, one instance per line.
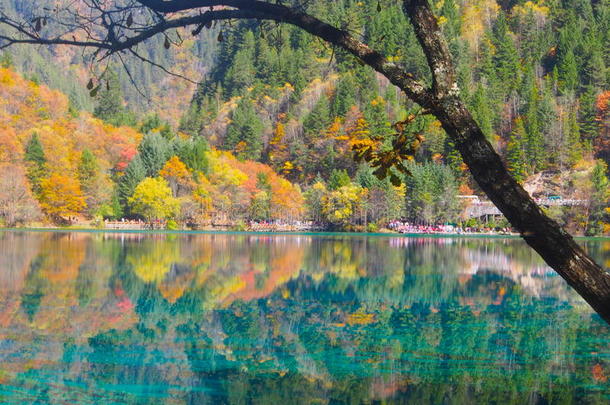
(312,233)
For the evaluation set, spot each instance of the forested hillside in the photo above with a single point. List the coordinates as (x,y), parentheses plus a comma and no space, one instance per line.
(58,164)
(535,75)
(144,85)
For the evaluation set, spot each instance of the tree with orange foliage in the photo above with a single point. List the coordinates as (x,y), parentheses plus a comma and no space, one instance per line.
(61,197)
(177,175)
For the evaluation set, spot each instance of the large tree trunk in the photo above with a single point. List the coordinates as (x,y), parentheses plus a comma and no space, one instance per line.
(556,247)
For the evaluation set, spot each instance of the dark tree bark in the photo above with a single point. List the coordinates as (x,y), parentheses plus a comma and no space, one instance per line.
(442,100)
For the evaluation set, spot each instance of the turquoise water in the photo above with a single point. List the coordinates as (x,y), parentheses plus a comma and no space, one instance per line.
(102,318)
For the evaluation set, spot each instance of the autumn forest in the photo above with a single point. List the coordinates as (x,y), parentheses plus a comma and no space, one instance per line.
(261,122)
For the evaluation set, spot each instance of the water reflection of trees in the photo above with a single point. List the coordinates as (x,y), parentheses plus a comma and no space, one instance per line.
(295,319)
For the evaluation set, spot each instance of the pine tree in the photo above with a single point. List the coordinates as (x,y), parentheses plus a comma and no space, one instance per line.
(193,152)
(241,73)
(338,179)
(482,112)
(568,72)
(515,151)
(452,23)
(134,174)
(87,167)
(192,120)
(506,57)
(36,163)
(594,66)
(316,122)
(587,116)
(534,139)
(154,150)
(109,105)
(244,134)
(345,96)
(574,144)
(151,122)
(377,118)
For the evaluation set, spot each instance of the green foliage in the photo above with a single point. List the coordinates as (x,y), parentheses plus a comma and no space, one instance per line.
(260,206)
(568,71)
(316,122)
(193,153)
(109,102)
(338,179)
(6,60)
(244,134)
(600,198)
(431,193)
(506,58)
(515,151)
(88,168)
(35,163)
(154,150)
(241,72)
(345,96)
(134,174)
(153,122)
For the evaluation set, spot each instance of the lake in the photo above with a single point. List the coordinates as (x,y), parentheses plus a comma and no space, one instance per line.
(136,318)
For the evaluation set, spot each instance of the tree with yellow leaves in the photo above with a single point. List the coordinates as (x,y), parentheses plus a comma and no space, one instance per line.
(61,197)
(153,200)
(341,204)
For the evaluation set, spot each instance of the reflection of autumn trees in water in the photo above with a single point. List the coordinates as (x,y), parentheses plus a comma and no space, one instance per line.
(297,318)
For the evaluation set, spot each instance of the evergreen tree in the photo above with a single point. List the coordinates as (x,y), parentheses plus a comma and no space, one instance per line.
(6,60)
(431,193)
(109,99)
(134,174)
(36,163)
(594,69)
(587,116)
(88,169)
(452,25)
(241,73)
(151,122)
(154,150)
(482,112)
(244,134)
(534,138)
(599,199)
(515,151)
(193,153)
(316,122)
(377,118)
(338,179)
(345,96)
(574,144)
(506,58)
(568,71)
(192,120)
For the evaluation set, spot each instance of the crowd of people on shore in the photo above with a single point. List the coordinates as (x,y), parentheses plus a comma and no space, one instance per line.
(284,226)
(397,226)
(406,227)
